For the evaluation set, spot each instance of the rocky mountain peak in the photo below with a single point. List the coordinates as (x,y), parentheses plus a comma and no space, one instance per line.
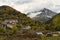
(45,15)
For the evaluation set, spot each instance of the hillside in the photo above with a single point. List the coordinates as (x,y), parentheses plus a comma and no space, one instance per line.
(7,12)
(13,23)
(56,21)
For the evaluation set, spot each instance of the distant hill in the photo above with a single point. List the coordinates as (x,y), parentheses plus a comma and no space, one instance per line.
(45,15)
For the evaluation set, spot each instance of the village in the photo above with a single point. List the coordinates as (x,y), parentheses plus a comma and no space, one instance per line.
(26,30)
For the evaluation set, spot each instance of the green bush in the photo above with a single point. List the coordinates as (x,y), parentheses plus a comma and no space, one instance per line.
(57,28)
(14,29)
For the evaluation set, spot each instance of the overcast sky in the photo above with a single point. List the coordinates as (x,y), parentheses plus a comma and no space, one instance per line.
(32,5)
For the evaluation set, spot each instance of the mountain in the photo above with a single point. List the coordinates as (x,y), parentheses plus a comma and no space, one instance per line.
(56,20)
(45,15)
(9,13)
(13,24)
(23,26)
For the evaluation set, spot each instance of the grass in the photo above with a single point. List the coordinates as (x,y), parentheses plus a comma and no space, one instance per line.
(51,38)
(17,38)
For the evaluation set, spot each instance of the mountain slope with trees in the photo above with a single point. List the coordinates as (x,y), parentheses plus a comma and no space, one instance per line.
(26,27)
(56,22)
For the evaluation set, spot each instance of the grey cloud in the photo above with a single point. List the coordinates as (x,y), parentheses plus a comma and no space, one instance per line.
(22,2)
(32,5)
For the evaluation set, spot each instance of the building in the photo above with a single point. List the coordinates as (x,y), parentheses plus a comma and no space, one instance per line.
(38,33)
(52,34)
(9,22)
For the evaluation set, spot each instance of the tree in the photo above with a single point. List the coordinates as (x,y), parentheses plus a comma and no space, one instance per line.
(57,28)
(14,29)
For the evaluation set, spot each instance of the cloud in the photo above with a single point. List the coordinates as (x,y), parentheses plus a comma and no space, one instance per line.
(32,5)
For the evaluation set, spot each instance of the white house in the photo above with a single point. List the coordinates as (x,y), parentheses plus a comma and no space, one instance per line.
(39,33)
(9,25)
(9,22)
